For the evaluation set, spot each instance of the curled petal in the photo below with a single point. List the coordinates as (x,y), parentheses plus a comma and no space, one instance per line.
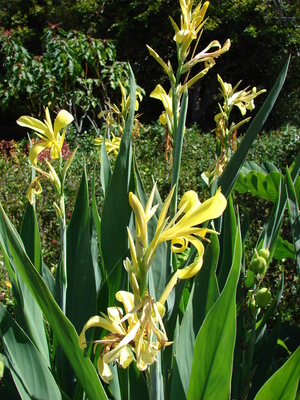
(99,322)
(36,150)
(178,245)
(127,299)
(34,188)
(191,198)
(62,119)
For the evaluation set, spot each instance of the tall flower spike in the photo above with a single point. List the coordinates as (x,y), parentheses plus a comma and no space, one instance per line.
(49,137)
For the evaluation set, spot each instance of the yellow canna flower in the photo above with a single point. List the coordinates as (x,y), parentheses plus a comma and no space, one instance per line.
(244,99)
(191,23)
(110,145)
(49,136)
(166,118)
(207,56)
(35,188)
(182,231)
(140,332)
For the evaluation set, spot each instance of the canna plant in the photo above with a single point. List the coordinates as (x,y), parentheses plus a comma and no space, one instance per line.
(149,300)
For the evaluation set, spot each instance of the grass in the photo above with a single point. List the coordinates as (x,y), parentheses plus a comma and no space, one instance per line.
(279,147)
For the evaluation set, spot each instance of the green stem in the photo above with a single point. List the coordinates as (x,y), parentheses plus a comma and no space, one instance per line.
(247,374)
(63,246)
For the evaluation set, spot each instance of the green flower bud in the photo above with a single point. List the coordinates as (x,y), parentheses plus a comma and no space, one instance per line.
(264,253)
(258,265)
(252,306)
(263,297)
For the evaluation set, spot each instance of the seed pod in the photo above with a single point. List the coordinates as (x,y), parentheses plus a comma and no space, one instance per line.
(263,297)
(264,253)
(258,265)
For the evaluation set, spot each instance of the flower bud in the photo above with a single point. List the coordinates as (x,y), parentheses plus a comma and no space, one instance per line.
(263,297)
(264,253)
(258,265)
(252,306)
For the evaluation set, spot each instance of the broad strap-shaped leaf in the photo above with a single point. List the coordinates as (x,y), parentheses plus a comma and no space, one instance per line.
(264,360)
(29,370)
(32,313)
(284,249)
(231,172)
(293,207)
(271,231)
(203,295)
(116,209)
(81,289)
(283,384)
(60,324)
(227,243)
(214,346)
(27,312)
(105,170)
(259,183)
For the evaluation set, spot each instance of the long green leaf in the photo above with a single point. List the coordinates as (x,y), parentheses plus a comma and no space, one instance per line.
(227,241)
(27,312)
(293,207)
(203,295)
(105,170)
(61,326)
(284,383)
(259,184)
(30,372)
(80,268)
(264,361)
(231,172)
(213,352)
(32,313)
(116,209)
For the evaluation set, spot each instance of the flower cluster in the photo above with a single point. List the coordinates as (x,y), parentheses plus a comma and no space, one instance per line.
(51,139)
(190,29)
(121,114)
(225,132)
(141,332)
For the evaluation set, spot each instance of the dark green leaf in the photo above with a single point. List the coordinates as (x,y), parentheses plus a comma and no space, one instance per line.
(27,365)
(284,383)
(214,347)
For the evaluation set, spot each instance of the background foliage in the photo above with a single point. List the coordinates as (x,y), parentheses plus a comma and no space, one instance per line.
(263,33)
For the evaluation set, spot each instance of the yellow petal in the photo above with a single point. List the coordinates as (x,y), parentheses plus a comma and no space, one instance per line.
(126,357)
(114,353)
(149,210)
(159,60)
(191,198)
(62,119)
(127,299)
(36,150)
(32,123)
(99,322)
(104,370)
(140,218)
